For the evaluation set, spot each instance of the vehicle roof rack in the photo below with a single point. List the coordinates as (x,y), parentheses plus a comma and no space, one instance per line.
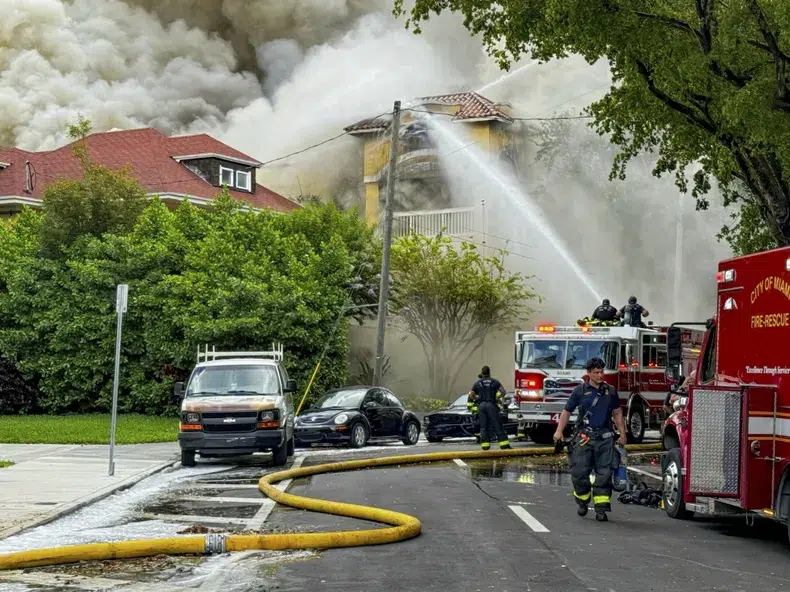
(208,355)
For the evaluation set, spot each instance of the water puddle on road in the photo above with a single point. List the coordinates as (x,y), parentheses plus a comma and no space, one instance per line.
(515,471)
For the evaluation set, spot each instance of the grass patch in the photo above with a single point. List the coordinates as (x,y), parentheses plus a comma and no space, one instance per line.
(5,463)
(86,429)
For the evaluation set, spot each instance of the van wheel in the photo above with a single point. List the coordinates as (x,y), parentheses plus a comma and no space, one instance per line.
(635,425)
(542,434)
(188,458)
(672,496)
(280,455)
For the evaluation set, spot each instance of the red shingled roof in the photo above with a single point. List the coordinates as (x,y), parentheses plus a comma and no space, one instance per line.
(150,156)
(472,106)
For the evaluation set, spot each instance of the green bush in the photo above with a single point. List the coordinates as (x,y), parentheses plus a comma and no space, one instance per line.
(425,404)
(226,277)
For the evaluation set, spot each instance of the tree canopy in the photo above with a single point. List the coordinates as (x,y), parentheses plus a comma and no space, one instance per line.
(228,277)
(451,298)
(703,82)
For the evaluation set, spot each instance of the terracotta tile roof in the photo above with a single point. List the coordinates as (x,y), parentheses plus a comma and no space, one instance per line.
(150,156)
(471,106)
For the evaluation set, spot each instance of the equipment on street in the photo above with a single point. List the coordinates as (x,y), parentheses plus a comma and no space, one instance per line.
(728,444)
(620,476)
(550,361)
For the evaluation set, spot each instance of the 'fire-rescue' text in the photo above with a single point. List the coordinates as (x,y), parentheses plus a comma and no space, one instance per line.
(780,319)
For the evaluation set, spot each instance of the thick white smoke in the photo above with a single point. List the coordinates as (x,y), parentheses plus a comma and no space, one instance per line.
(271,77)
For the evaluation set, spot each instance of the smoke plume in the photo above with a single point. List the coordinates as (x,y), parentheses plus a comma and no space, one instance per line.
(272,77)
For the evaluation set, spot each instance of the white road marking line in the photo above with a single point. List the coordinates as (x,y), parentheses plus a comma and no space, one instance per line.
(459,462)
(222,486)
(528,519)
(228,500)
(256,522)
(198,519)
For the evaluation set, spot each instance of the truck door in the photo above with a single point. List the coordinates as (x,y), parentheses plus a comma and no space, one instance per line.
(626,370)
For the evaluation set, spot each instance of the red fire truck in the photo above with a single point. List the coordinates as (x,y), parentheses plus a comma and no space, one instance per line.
(550,363)
(729,442)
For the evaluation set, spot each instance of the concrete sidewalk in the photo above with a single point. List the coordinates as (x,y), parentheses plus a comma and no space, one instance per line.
(50,480)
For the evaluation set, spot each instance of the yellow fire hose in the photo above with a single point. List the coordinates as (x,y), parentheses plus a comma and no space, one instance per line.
(402,526)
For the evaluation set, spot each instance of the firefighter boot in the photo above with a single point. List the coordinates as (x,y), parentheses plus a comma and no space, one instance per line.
(601,517)
(505,445)
(582,501)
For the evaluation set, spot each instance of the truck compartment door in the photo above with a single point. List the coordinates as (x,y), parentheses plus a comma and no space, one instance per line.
(764,425)
(714,455)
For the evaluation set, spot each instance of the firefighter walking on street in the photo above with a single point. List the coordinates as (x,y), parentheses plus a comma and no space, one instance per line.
(592,445)
(485,394)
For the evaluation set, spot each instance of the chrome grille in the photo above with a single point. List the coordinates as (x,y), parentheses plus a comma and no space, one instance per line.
(715,441)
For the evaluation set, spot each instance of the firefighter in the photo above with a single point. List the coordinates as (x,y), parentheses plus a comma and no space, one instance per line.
(605,312)
(486,393)
(632,313)
(592,445)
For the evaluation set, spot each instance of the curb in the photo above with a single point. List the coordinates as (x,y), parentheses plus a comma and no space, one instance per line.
(85,500)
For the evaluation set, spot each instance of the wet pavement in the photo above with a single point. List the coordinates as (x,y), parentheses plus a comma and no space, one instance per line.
(500,524)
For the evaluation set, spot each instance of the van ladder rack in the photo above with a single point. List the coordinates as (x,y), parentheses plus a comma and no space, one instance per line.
(207,355)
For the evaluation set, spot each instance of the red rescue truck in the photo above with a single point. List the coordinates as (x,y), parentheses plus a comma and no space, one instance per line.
(729,442)
(550,363)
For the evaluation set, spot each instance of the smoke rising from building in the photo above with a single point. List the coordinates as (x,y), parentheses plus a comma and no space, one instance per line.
(271,77)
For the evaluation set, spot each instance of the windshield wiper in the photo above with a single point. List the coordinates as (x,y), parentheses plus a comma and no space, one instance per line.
(248,393)
(210,393)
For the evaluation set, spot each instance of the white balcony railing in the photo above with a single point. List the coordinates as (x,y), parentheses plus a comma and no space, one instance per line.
(459,222)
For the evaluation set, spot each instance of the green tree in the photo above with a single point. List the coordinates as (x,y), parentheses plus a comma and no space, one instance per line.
(451,298)
(702,81)
(226,277)
(102,201)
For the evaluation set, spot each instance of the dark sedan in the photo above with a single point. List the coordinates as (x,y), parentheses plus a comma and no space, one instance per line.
(456,421)
(354,414)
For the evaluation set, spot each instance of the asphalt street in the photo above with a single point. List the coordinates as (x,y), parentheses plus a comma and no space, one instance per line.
(473,539)
(506,525)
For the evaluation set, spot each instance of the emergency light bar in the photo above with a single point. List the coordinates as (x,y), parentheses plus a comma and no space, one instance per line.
(548,328)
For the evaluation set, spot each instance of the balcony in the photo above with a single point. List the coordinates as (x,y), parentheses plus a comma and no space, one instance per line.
(457,222)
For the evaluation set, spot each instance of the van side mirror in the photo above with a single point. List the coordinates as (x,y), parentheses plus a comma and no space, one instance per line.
(519,352)
(673,374)
(178,392)
(674,347)
(290,386)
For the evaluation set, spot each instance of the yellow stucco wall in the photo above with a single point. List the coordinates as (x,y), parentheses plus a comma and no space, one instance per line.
(490,136)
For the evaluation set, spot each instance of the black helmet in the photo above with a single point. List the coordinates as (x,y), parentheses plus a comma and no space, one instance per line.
(606,302)
(632,300)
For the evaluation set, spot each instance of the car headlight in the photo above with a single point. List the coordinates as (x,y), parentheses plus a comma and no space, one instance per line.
(193,417)
(342,418)
(267,415)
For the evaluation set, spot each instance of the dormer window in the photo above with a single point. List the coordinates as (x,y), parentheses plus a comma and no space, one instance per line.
(244,180)
(226,176)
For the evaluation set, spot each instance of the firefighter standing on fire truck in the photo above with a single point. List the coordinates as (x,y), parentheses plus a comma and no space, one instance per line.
(592,444)
(485,394)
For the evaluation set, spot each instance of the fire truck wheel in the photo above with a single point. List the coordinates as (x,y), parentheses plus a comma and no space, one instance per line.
(635,425)
(672,496)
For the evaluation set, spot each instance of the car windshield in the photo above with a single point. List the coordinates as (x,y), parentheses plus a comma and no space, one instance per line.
(234,380)
(460,401)
(345,399)
(544,354)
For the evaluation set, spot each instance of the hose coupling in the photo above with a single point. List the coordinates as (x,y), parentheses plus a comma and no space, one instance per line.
(215,544)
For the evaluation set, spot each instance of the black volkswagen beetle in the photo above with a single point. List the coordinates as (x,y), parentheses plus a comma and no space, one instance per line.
(456,421)
(354,414)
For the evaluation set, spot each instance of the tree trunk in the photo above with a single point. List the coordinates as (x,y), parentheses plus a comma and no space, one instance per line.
(764,176)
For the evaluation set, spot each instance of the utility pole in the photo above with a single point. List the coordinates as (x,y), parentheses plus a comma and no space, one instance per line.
(678,289)
(384,288)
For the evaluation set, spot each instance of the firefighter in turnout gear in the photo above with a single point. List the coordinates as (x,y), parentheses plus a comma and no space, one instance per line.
(592,445)
(605,312)
(486,394)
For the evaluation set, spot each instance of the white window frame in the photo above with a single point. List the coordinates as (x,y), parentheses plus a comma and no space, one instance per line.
(245,186)
(232,172)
